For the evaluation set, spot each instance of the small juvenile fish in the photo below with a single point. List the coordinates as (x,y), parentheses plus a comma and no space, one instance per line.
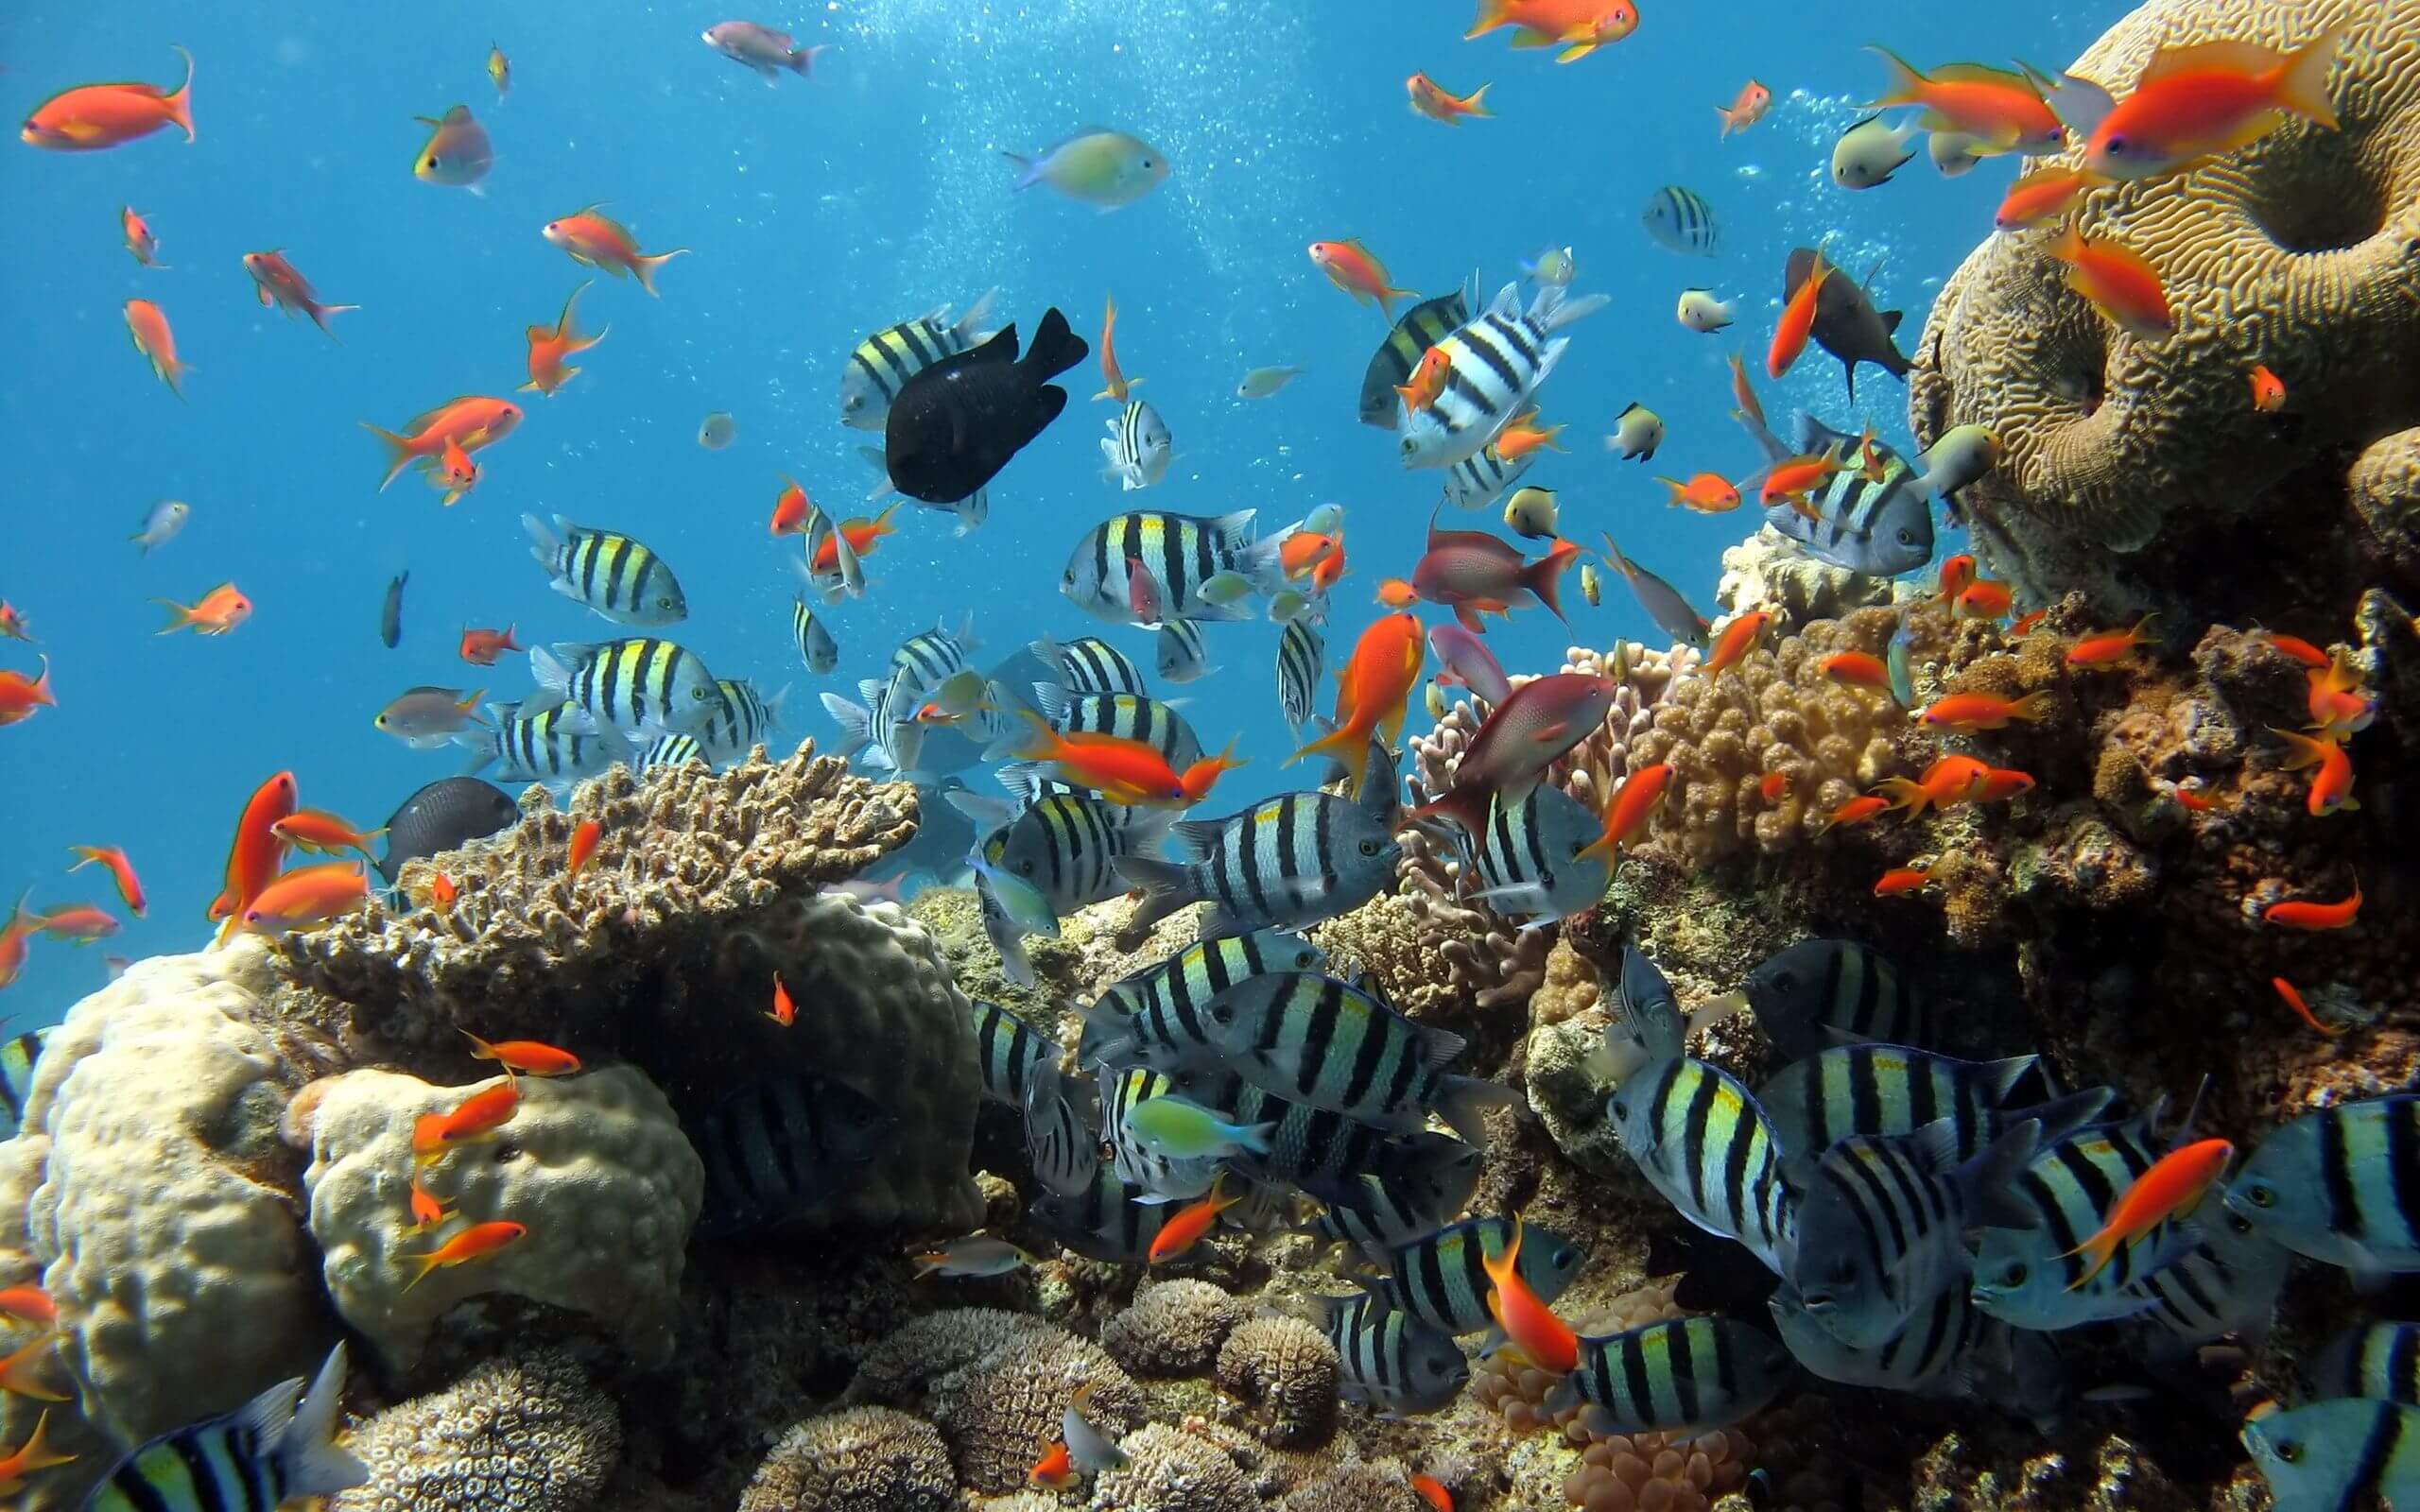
(1746,110)
(143,247)
(1871,152)
(429,718)
(1531,512)
(583,846)
(161,525)
(1259,383)
(499,70)
(1090,1449)
(718,430)
(2268,391)
(279,284)
(458,154)
(1182,656)
(475,1243)
(1137,449)
(1705,492)
(1433,100)
(391,612)
(1699,311)
(972,1256)
(322,833)
(1177,1128)
(784,1011)
(1185,1228)
(482,647)
(1353,269)
(1553,265)
(1679,219)
(148,325)
(1637,432)
(550,347)
(1591,588)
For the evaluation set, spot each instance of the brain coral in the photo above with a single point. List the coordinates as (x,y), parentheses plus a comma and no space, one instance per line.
(864,1459)
(525,1432)
(2296,253)
(594,1166)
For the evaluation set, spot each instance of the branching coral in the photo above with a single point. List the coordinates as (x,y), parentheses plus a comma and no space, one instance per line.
(525,1432)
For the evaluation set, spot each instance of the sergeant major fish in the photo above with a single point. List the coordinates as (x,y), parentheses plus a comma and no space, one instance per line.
(544,740)
(2333,1185)
(1692,1374)
(1441,1280)
(2331,1455)
(1137,449)
(1123,715)
(611,572)
(1180,656)
(1008,1051)
(1480,478)
(777,1148)
(1679,221)
(1420,327)
(1156,1016)
(1390,1360)
(883,362)
(629,682)
(1822,992)
(279,1446)
(1181,552)
(816,647)
(1301,655)
(1090,664)
(1528,852)
(1314,1040)
(1494,364)
(1879,528)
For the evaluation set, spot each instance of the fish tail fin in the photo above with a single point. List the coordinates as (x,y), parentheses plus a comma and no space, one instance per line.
(2034,706)
(2302,81)
(1343,746)
(36,1455)
(179,616)
(1476,104)
(320,313)
(20,1371)
(1029,174)
(854,722)
(399,451)
(1056,347)
(1492,14)
(428,1261)
(1465,1103)
(1465,806)
(1544,577)
(644,266)
(1165,887)
(315,1463)
(1904,793)
(2098,1252)
(802,60)
(180,103)
(1907,85)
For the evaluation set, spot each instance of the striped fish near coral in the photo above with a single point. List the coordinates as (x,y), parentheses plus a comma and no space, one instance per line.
(778,1148)
(280,1445)
(1418,329)
(1495,363)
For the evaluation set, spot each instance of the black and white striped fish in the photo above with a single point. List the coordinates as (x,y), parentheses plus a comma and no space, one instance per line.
(1680,220)
(1066,848)
(1181,655)
(1495,363)
(1007,1051)
(1006,934)
(1867,1089)
(1481,478)
(779,1147)
(885,730)
(1421,327)
(2227,1284)
(279,1446)
(1390,1360)
(668,749)
(1822,992)
(929,658)
(1878,528)
(630,682)
(1162,1004)
(1302,655)
(1441,1279)
(1685,1373)
(19,1054)
(743,721)
(1926,1357)
(1128,716)
(611,572)
(1182,552)
(816,647)
(883,362)
(2340,1184)
(542,741)
(1315,1148)
(1702,1139)
(2379,1361)
(1059,1135)
(1138,448)
(1090,664)
(1375,1213)
(1312,1039)
(1528,855)
(1107,1221)
(2029,1275)
(1288,862)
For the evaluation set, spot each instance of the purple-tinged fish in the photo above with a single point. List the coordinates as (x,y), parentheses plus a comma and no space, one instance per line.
(1533,728)
(1468,662)
(759,47)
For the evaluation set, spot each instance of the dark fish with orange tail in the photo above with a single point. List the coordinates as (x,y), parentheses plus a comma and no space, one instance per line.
(1845,322)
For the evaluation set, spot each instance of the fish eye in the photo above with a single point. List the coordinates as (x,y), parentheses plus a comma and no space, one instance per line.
(2114,147)
(2238,1223)
(2262,1195)
(432,160)
(697,695)
(1368,848)
(2289,1450)
(1906,537)
(1408,445)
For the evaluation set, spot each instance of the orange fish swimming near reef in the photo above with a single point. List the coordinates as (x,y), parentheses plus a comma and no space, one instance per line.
(2001,111)
(2118,283)
(91,116)
(472,421)
(531,1057)
(784,1011)
(1433,100)
(1983,599)
(2172,1187)
(1958,574)
(2268,391)
(1792,480)
(308,896)
(481,648)
(1124,772)
(1627,812)
(2331,781)
(2340,706)
(1947,782)
(1797,320)
(2204,100)
(1185,1226)
(279,285)
(1967,712)
(551,346)
(1351,267)
(15,931)
(1900,880)
(1773,786)
(2041,197)
(426,1211)
(256,852)
(148,325)
(21,1371)
(81,923)
(1055,1469)
(2300,913)
(121,871)
(29,1304)
(474,1117)
(1529,1324)
(584,845)
(1736,639)
(1856,669)
(861,533)
(1705,492)
(1857,811)
(601,242)
(1432,1491)
(1374,695)
(325,833)
(2294,999)
(475,1243)
(220,611)
(2111,649)
(1115,385)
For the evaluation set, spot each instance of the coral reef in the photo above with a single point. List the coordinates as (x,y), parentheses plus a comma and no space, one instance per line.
(595,1167)
(1171,1328)
(1285,1371)
(1168,1470)
(523,1433)
(864,1459)
(1357,1485)
(1770,572)
(2293,252)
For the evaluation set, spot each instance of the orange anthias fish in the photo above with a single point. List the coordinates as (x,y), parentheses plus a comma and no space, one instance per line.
(129,886)
(2023,625)
(474,420)
(1522,435)
(2331,783)
(2297,648)
(1705,492)
(1856,669)
(82,922)
(1394,592)
(15,932)
(861,533)
(1350,267)
(1433,100)
(1857,811)
(1112,376)
(1949,781)
(1578,27)
(1303,551)
(1745,112)
(257,850)
(1900,880)
(221,609)
(790,507)
(1967,712)
(481,648)
(2294,999)
(480,1240)
(2268,390)
(91,116)
(1124,772)
(1613,21)
(2190,796)
(550,347)
(1797,320)
(2110,649)
(1055,1469)
(308,896)
(454,472)
(20,696)
(1374,695)
(530,1056)
(1743,395)
(601,242)
(1985,599)
(1427,379)
(143,247)
(1626,813)
(1529,1325)
(584,845)
(2297,913)
(2000,111)
(1791,480)
(2201,101)
(21,1373)
(441,891)
(1956,575)
(2001,784)
(1432,1491)
(427,1212)
(281,285)
(2042,196)
(2118,283)
(148,325)
(784,1011)
(1773,786)
(1737,639)
(13,624)
(30,1304)
(474,1117)
(1185,1228)
(2169,1189)
(1329,571)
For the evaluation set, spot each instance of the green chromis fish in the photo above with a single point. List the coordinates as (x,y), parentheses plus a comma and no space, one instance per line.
(972,1256)
(1259,383)
(457,155)
(1107,169)
(1177,1128)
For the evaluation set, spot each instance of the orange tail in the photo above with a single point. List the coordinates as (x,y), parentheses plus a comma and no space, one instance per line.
(1348,745)
(1491,15)
(181,104)
(1544,577)
(399,451)
(179,616)
(644,268)
(1905,793)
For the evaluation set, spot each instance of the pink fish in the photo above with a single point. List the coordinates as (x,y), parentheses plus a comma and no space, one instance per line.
(1468,662)
(1535,726)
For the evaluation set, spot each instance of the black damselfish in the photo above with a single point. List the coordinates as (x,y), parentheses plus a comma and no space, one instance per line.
(444,815)
(957,423)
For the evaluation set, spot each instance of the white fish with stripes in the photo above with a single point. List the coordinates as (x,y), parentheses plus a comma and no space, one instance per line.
(1494,365)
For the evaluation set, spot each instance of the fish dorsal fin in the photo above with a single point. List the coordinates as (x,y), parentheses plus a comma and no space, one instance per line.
(1979,74)
(1934,1147)
(1506,302)
(1627,411)
(1234,530)
(2210,57)
(1195,839)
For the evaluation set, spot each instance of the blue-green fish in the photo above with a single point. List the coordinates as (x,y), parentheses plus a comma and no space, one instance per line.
(1685,1375)
(1104,168)
(2334,1455)
(2340,1184)
(1390,1360)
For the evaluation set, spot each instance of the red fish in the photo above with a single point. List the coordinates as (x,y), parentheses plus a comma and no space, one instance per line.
(862,534)
(1857,811)
(1737,639)
(91,116)
(2118,283)
(20,696)
(455,473)
(13,624)
(2297,913)
(1427,379)
(1054,1469)
(2331,783)
(281,285)
(81,923)
(1773,786)
(1705,492)
(1536,725)
(2172,1187)
(1900,880)
(1797,320)
(1521,436)
(1350,267)
(2042,196)
(15,932)
(307,896)
(2297,648)
(477,1241)
(326,834)
(1468,569)
(427,1212)
(1432,1491)
(600,241)
(481,648)
(30,1304)
(1856,669)
(2205,100)
(221,610)
(1746,110)
(1115,385)
(530,1056)
(148,325)
(2268,391)
(1967,712)
(1394,592)
(440,891)
(1185,1226)
(2294,1000)
(1985,600)
(1433,100)
(548,347)
(1949,781)
(2001,784)
(583,846)
(1792,479)
(2340,706)
(1529,1324)
(474,421)
(784,1011)
(1375,694)
(2192,798)
(121,871)
(2023,625)
(1958,574)
(790,507)
(1742,393)
(257,850)
(474,1117)
(1124,772)
(1627,812)
(2112,648)
(1299,553)
(139,240)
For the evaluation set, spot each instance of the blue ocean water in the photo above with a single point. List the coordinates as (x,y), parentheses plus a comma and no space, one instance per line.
(816,211)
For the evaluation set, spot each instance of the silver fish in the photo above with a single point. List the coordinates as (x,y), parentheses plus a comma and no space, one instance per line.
(1182,656)
(161,524)
(1679,221)
(1137,449)
(1662,601)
